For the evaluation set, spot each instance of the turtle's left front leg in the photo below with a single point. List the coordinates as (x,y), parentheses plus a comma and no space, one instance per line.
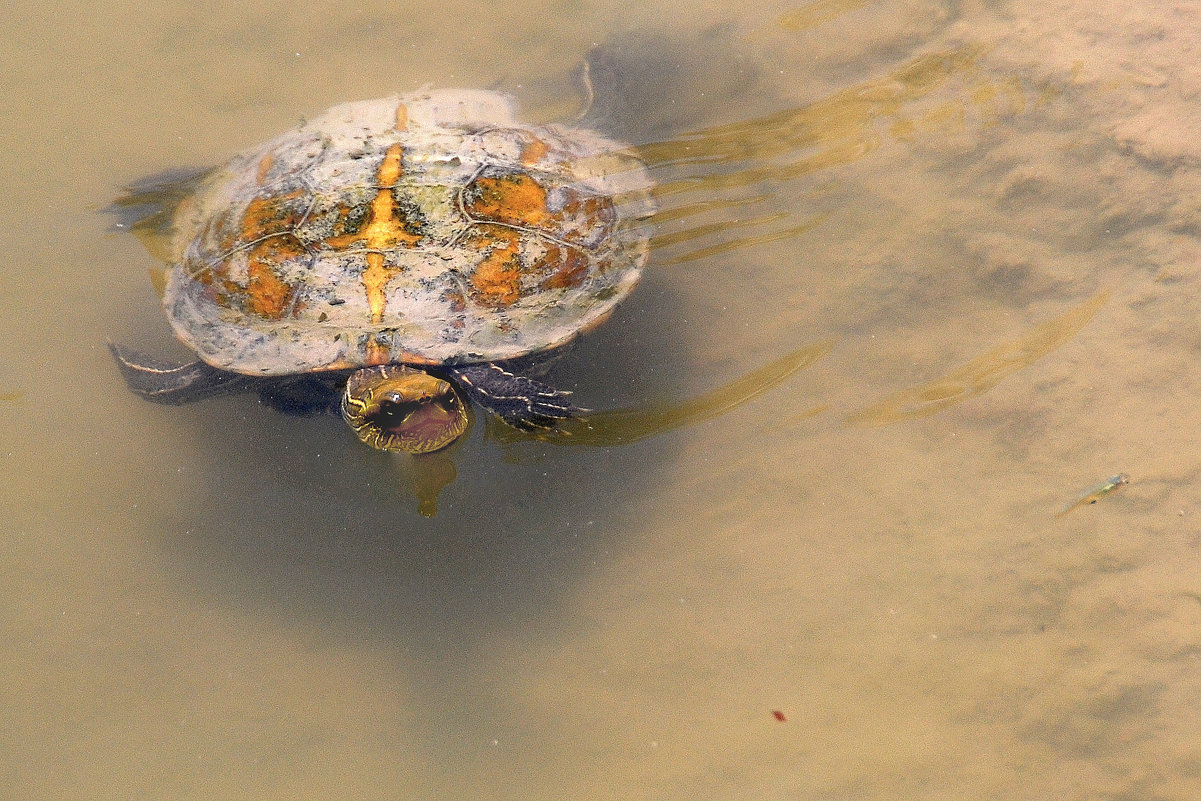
(520,401)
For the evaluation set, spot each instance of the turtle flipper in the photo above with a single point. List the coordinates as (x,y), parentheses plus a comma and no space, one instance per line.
(520,401)
(173,382)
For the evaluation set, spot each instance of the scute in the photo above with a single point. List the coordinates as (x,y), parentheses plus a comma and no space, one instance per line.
(429,228)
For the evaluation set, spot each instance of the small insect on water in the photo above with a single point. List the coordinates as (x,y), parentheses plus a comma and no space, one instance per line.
(1096,492)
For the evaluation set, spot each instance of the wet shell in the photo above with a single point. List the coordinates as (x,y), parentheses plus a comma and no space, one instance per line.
(425,229)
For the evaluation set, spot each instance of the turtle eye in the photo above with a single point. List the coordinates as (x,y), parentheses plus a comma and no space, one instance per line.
(396,399)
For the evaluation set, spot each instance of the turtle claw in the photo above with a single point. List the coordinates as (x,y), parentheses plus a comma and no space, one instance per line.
(520,401)
(173,382)
(538,423)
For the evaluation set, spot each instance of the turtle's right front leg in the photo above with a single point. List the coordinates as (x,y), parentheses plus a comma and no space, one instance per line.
(173,382)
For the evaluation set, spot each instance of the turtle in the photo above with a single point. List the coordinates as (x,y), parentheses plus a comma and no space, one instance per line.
(397,259)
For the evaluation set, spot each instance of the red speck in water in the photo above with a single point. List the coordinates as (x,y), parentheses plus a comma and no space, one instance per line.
(778,715)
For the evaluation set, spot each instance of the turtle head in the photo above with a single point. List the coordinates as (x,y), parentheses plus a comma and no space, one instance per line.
(398,408)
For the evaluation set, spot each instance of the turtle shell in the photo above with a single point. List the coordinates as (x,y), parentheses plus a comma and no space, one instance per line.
(425,229)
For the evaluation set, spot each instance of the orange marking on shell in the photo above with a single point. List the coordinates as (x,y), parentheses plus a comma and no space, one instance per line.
(518,199)
(264,167)
(220,235)
(496,280)
(346,224)
(375,281)
(570,269)
(534,151)
(386,228)
(266,295)
(226,293)
(340,364)
(511,199)
(412,358)
(376,352)
(391,167)
(272,214)
(585,216)
(402,117)
(197,270)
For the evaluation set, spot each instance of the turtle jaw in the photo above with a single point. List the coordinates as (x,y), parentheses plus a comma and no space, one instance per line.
(398,408)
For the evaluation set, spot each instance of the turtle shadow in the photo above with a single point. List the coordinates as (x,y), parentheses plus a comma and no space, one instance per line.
(305,520)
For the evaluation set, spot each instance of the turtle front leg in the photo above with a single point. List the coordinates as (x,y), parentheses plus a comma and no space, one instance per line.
(174,382)
(520,401)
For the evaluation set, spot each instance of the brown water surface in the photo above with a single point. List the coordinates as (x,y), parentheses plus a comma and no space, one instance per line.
(982,219)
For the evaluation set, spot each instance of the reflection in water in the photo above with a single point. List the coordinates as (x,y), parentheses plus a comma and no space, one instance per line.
(704,171)
(426,475)
(604,429)
(816,13)
(147,209)
(833,131)
(735,243)
(982,373)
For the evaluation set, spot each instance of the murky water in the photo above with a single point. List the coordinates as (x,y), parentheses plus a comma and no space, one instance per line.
(981,218)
